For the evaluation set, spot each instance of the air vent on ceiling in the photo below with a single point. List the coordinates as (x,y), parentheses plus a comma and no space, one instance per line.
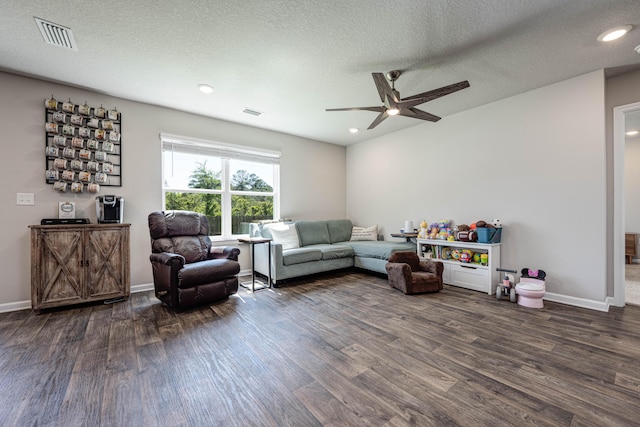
(56,35)
(252,112)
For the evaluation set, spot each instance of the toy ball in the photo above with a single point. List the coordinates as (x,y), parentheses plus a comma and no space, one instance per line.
(465,257)
(476,258)
(496,223)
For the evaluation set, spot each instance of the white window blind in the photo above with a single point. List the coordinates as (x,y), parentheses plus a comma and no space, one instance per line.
(218,149)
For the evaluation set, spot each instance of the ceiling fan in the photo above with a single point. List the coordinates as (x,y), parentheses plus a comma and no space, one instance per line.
(394,105)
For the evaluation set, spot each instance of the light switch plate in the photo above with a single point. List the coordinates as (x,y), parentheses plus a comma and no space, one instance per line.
(25,199)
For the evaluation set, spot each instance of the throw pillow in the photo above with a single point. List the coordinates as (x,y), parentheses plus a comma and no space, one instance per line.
(286,235)
(365,233)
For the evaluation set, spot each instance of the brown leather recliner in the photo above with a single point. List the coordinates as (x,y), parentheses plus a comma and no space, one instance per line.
(187,271)
(410,274)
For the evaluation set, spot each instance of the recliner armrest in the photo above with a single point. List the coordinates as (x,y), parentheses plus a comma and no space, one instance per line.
(228,252)
(167,258)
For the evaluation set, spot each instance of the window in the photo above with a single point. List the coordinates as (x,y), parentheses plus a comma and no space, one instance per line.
(232,185)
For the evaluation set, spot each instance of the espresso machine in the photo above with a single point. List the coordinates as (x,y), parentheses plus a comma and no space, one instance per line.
(109,209)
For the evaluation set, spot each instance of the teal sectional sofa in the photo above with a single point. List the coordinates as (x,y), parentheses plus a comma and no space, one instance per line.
(321,246)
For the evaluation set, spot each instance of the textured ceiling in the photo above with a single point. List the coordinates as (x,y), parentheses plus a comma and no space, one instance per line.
(293,59)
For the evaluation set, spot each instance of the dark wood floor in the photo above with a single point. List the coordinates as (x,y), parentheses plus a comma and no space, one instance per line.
(341,350)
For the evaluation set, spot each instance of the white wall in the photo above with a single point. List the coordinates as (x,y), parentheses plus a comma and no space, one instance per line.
(313,176)
(535,160)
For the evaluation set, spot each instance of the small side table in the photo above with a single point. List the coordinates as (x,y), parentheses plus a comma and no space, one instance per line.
(409,236)
(253,241)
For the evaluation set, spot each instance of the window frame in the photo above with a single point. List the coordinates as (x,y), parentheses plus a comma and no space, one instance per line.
(226,152)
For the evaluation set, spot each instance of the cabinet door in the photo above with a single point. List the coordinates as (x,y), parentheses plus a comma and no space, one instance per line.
(60,273)
(107,260)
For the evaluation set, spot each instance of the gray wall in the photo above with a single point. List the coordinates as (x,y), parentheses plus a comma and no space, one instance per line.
(313,177)
(535,160)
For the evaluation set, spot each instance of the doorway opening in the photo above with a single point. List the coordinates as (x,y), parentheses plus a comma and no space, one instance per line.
(623,117)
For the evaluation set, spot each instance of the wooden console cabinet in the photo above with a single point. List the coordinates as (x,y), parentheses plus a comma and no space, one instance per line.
(73,264)
(483,278)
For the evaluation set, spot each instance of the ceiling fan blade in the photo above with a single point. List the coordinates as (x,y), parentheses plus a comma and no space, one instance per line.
(376,109)
(419,114)
(383,115)
(436,93)
(384,90)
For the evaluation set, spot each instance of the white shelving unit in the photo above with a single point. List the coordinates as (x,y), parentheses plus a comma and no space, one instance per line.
(477,277)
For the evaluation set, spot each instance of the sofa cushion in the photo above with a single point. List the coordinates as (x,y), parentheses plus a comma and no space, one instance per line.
(378,249)
(339,229)
(301,255)
(313,232)
(286,235)
(364,233)
(334,251)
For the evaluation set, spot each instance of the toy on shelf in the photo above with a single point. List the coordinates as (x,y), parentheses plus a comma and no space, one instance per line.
(433,230)
(444,229)
(466,256)
(424,230)
(486,232)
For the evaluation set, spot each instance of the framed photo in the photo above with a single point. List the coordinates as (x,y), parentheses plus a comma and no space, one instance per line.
(66,210)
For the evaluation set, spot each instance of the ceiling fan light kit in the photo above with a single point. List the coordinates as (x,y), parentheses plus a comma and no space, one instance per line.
(394,105)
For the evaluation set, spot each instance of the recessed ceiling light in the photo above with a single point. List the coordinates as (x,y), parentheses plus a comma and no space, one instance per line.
(632,133)
(205,88)
(614,33)
(354,130)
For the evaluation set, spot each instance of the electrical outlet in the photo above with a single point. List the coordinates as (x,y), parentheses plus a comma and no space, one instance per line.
(25,199)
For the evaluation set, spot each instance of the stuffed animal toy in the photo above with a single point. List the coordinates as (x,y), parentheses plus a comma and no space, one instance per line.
(424,230)
(433,230)
(444,229)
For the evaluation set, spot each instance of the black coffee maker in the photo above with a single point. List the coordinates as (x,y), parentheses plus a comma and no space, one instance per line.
(109,209)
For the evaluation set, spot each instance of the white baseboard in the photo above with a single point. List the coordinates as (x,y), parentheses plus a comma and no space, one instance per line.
(548,296)
(142,288)
(578,302)
(15,306)
(26,305)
